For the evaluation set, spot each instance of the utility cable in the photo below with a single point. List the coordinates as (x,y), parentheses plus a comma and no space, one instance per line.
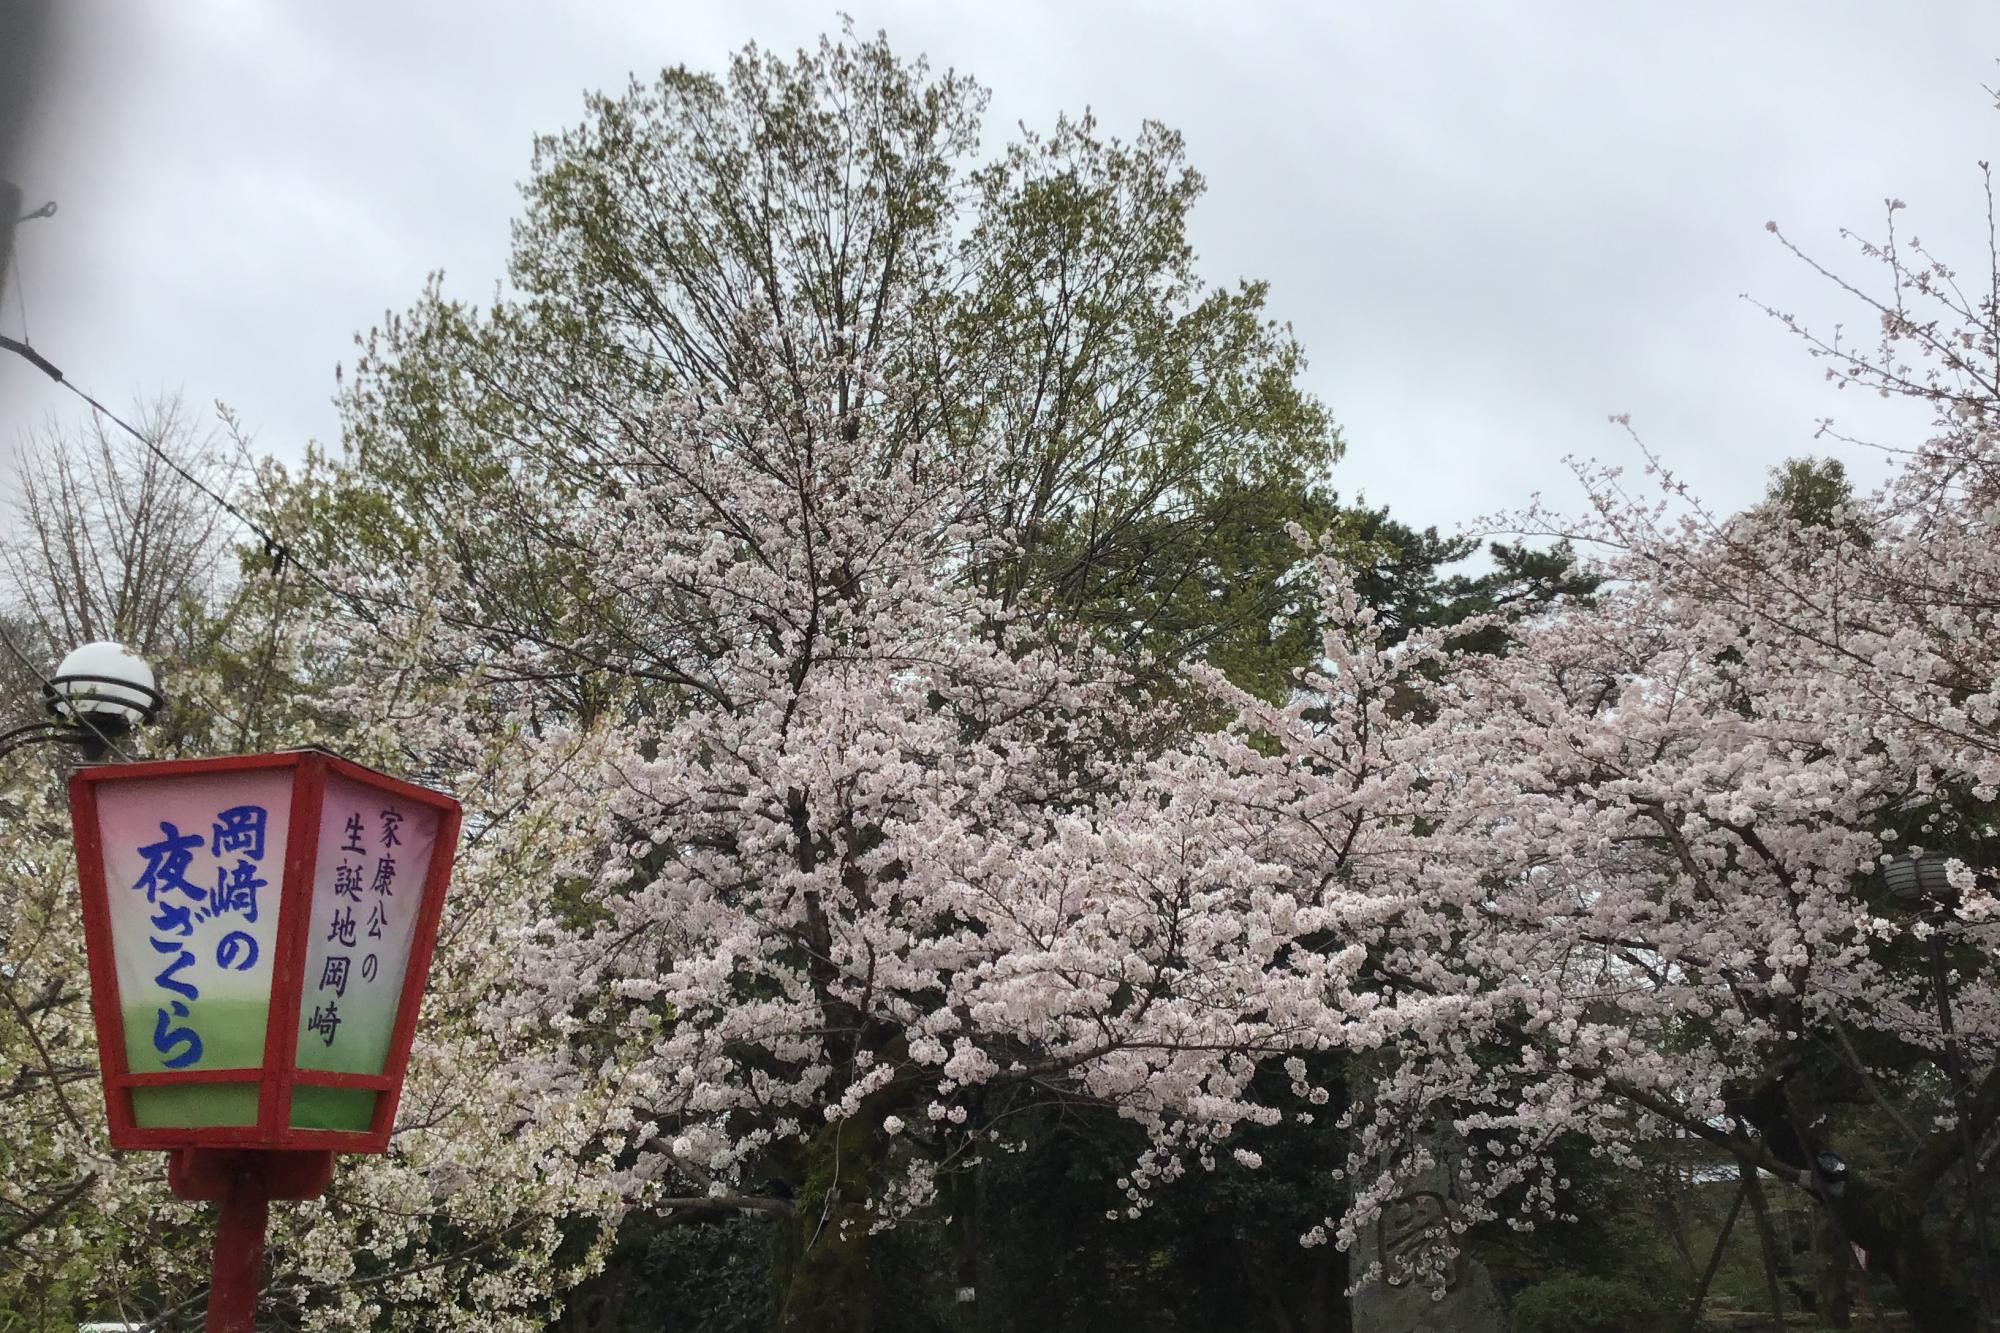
(20,293)
(274,550)
(280,553)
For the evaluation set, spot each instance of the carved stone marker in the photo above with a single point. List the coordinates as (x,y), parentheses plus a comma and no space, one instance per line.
(1420,1257)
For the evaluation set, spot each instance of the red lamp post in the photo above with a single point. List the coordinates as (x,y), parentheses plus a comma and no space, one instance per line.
(259,929)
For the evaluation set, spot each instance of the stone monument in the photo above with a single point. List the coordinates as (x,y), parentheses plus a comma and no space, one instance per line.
(1421,1258)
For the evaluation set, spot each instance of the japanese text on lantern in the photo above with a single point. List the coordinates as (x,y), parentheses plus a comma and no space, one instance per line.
(179,912)
(369,881)
(360,913)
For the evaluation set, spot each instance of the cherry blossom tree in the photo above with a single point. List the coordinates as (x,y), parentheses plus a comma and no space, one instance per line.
(891,861)
(1625,880)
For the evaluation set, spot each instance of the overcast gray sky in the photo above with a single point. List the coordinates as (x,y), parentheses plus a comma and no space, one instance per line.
(1491,224)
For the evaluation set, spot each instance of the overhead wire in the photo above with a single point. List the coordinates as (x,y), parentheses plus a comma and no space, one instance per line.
(275,550)
(278,551)
(281,554)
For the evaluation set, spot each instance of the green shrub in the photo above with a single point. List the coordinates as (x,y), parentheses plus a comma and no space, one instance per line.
(1575,1303)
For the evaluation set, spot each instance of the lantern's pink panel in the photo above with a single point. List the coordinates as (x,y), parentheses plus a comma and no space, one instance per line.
(193,874)
(375,853)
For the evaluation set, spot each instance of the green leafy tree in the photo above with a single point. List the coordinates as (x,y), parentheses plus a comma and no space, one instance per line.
(1143,436)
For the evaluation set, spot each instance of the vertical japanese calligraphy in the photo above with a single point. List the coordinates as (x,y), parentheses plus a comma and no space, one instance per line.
(367,893)
(347,876)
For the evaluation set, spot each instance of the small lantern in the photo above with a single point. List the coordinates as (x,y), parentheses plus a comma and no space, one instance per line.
(104,686)
(259,930)
(100,692)
(1920,881)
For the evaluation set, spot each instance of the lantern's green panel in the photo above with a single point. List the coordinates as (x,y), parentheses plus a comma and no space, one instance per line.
(232,1038)
(332,1108)
(232,1035)
(339,1108)
(195,1106)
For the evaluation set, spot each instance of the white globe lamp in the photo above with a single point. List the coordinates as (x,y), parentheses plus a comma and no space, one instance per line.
(103,689)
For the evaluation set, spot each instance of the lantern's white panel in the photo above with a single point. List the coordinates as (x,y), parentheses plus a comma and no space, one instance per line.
(193,871)
(368,889)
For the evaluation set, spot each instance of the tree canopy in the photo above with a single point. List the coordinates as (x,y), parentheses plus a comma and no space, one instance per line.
(1141,437)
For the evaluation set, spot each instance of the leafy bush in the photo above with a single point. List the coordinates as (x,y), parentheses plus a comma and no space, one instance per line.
(1575,1303)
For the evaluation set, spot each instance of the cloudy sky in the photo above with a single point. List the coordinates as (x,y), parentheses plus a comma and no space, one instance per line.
(1491,224)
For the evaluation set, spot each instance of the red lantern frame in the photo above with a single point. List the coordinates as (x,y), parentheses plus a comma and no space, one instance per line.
(279,1072)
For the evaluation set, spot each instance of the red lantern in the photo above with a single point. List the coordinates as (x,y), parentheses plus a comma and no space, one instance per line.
(259,930)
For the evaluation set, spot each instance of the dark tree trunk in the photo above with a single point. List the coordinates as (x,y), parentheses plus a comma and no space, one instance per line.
(1835,1298)
(833,1282)
(1259,1276)
(1891,1231)
(965,1193)
(1887,1219)
(1767,1242)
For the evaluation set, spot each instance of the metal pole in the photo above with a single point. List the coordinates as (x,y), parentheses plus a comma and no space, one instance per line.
(35,733)
(1714,1261)
(1767,1242)
(238,1265)
(1951,1069)
(10,214)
